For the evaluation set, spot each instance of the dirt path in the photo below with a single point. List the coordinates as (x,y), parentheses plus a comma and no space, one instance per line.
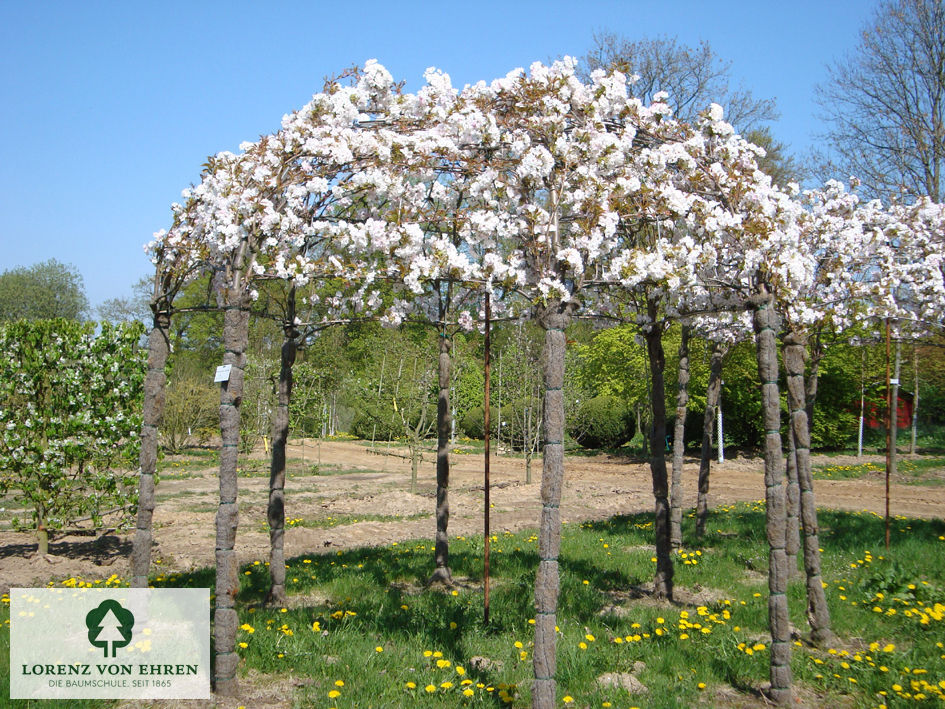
(595,488)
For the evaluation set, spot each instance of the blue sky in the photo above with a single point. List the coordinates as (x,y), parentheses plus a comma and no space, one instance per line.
(110,108)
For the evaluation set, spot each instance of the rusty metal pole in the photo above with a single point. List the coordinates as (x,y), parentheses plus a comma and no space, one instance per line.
(890,422)
(486,424)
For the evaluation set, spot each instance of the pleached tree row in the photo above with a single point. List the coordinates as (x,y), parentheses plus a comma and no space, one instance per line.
(556,197)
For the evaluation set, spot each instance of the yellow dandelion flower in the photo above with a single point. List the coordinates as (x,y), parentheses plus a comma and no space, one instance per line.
(411,685)
(334,694)
(430,688)
(378,649)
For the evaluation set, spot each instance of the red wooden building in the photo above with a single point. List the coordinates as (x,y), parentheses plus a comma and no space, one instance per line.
(875,416)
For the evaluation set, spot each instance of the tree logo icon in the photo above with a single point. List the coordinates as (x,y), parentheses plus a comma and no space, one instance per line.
(109,624)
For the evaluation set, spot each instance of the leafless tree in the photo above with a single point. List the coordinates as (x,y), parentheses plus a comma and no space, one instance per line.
(885,102)
(694,77)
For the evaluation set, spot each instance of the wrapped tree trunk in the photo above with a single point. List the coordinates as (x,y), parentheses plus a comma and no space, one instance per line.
(235,336)
(817,349)
(663,580)
(442,573)
(766,325)
(154,387)
(818,614)
(679,440)
(705,457)
(554,318)
(275,512)
(793,499)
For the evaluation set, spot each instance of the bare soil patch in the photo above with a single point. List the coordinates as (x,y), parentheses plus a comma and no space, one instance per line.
(374,490)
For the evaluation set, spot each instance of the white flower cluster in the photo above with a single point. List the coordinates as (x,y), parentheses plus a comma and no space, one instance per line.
(535,187)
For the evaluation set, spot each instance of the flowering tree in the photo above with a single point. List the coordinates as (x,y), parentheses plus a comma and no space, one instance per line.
(550,195)
(68,420)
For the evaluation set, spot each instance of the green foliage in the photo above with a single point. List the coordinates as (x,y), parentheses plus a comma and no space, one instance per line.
(741,397)
(394,394)
(43,291)
(474,423)
(614,364)
(69,418)
(259,399)
(601,422)
(191,410)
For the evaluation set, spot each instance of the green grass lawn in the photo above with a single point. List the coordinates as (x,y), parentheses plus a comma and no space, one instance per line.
(929,471)
(361,630)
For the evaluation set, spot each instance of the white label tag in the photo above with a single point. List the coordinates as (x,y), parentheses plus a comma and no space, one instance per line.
(223,373)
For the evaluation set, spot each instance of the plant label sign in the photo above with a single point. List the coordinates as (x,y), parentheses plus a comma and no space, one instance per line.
(223,373)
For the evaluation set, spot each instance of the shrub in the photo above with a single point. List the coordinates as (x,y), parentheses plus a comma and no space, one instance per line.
(473,423)
(601,422)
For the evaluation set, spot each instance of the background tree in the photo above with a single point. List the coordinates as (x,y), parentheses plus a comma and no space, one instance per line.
(694,77)
(885,102)
(190,410)
(136,306)
(50,289)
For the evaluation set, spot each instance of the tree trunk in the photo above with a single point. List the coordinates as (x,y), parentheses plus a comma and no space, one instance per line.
(415,455)
(42,534)
(818,614)
(679,440)
(793,499)
(235,336)
(817,350)
(766,325)
(554,318)
(275,512)
(154,385)
(442,573)
(705,457)
(663,579)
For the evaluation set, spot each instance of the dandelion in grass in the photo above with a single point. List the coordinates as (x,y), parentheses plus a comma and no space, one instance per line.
(411,685)
(568,699)
(430,688)
(334,694)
